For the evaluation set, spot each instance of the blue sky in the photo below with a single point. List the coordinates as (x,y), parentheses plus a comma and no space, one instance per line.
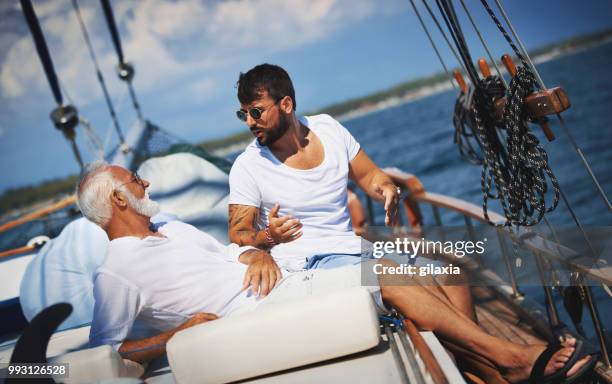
(188,55)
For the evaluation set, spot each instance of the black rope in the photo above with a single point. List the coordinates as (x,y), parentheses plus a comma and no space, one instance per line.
(515,167)
(43,51)
(464,133)
(92,54)
(528,161)
(501,28)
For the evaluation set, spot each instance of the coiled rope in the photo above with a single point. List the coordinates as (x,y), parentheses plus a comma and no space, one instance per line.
(517,173)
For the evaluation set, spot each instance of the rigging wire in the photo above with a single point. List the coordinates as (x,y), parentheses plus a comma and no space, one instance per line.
(450,46)
(94,59)
(94,142)
(125,70)
(484,44)
(64,117)
(433,44)
(527,62)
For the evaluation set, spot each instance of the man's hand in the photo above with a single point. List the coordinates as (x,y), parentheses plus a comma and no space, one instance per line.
(198,318)
(283,229)
(389,192)
(262,273)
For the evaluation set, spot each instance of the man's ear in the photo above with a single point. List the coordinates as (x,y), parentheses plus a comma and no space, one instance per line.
(118,198)
(286,104)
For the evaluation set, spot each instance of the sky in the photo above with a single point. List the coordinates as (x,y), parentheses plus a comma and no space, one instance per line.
(188,55)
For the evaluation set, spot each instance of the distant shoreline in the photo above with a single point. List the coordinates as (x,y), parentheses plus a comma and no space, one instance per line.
(411,90)
(235,143)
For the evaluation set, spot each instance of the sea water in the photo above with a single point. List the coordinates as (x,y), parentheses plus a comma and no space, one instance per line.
(417,137)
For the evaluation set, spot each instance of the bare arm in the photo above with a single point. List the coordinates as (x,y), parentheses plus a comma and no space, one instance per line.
(155,346)
(242,230)
(367,175)
(242,227)
(375,183)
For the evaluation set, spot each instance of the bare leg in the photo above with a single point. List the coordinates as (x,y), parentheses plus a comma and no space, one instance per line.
(436,313)
(461,297)
(455,288)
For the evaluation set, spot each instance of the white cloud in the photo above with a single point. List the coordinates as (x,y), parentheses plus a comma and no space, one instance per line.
(169,42)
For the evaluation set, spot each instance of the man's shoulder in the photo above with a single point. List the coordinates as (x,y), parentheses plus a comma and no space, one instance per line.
(321,119)
(109,278)
(176,226)
(251,155)
(251,152)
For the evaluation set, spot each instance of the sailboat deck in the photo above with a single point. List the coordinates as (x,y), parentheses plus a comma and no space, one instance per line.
(499,320)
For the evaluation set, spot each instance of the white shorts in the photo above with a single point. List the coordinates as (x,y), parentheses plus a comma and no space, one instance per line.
(322,282)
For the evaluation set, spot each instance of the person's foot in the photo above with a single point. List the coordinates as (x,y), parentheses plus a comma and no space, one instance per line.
(521,369)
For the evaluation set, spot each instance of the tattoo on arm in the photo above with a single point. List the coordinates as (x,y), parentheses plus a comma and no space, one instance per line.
(242,226)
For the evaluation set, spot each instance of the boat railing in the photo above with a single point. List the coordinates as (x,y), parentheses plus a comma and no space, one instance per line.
(35,215)
(582,267)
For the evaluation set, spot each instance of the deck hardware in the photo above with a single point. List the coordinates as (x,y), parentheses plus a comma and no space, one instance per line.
(551,308)
(472,235)
(484,68)
(504,251)
(438,220)
(599,329)
(409,349)
(556,96)
(396,353)
(460,80)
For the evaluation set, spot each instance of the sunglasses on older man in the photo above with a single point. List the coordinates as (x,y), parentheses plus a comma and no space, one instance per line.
(135,179)
(255,112)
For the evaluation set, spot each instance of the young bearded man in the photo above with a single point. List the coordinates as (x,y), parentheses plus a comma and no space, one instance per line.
(288,189)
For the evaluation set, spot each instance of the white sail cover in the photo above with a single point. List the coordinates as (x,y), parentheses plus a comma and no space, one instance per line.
(63,272)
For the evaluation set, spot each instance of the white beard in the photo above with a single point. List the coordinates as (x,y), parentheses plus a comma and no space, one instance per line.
(144,206)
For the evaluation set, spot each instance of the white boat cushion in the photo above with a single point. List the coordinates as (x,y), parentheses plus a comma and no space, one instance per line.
(94,364)
(275,337)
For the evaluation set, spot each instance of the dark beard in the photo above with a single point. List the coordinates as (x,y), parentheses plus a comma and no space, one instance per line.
(272,135)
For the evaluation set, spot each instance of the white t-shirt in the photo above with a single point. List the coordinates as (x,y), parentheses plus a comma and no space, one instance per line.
(162,282)
(316,196)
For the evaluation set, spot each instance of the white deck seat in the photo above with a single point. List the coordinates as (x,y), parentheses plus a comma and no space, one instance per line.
(95,364)
(85,365)
(275,337)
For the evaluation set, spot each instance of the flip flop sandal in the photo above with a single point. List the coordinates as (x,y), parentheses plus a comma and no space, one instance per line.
(537,372)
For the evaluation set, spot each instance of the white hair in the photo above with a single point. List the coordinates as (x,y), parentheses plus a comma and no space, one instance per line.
(94,191)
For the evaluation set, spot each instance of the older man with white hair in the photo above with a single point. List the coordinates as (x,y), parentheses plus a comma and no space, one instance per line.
(165,276)
(173,276)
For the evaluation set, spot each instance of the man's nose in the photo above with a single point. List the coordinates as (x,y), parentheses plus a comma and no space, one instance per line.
(250,121)
(145,183)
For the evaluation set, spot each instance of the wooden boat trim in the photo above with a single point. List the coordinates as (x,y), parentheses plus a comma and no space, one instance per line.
(17,251)
(534,243)
(430,361)
(39,213)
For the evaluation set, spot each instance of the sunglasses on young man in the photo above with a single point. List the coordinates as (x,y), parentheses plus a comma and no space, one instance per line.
(255,112)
